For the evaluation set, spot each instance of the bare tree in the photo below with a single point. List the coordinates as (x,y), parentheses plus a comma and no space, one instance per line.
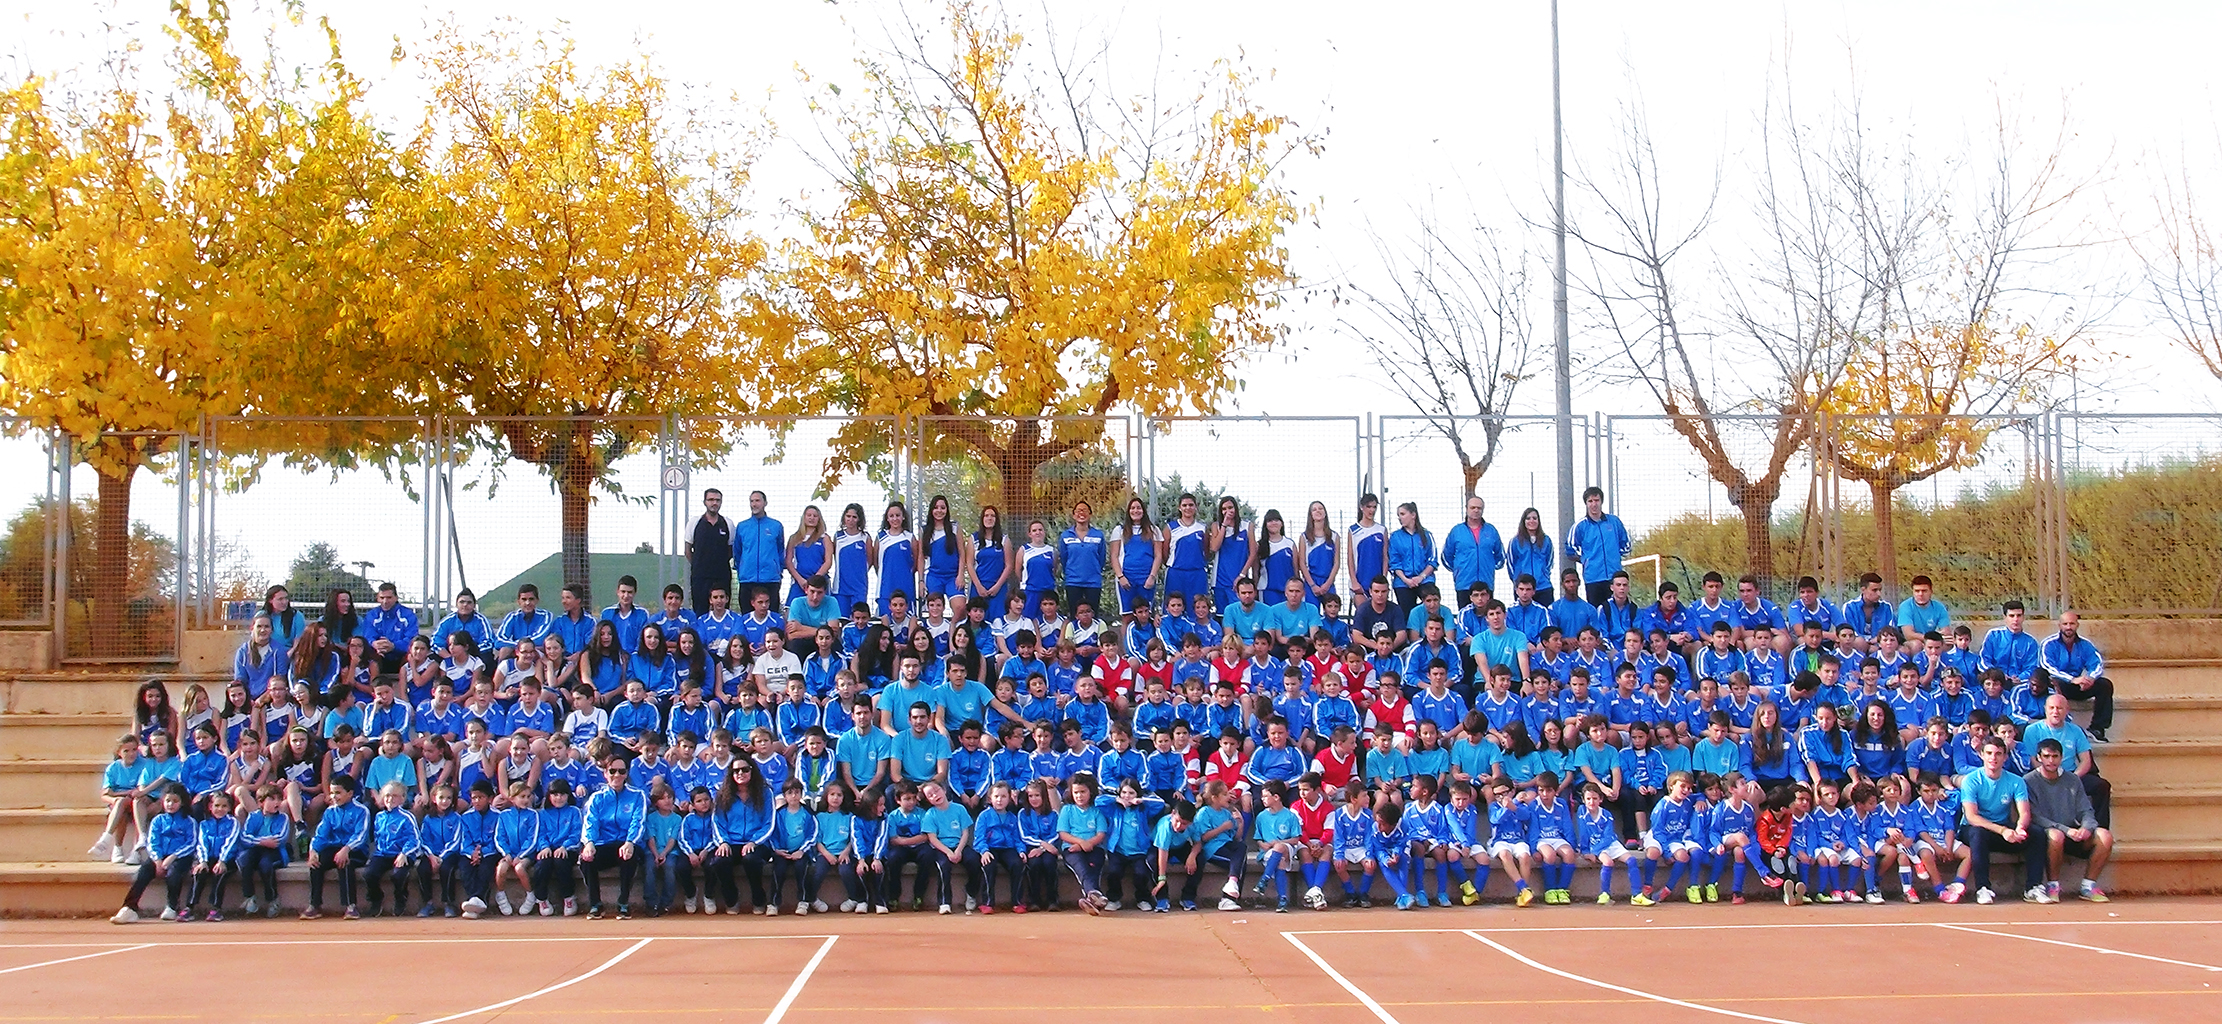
(2183,270)
(1698,376)
(1450,328)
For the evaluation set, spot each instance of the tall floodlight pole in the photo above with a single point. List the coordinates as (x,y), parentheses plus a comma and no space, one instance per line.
(1562,348)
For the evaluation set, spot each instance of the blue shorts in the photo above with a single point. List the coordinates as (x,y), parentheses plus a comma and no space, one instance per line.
(1185,582)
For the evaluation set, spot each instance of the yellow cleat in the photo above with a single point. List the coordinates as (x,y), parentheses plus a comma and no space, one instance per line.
(1640,900)
(1525,897)
(1695,894)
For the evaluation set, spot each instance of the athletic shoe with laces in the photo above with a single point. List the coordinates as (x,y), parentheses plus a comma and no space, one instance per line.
(473,907)
(2034,894)
(1315,898)
(1875,896)
(770,911)
(1712,892)
(1404,903)
(351,915)
(2052,892)
(169,914)
(1188,906)
(1694,894)
(803,909)
(546,908)
(1365,902)
(426,911)
(848,906)
(249,906)
(1281,907)
(1523,898)
(105,846)
(1111,907)
(271,911)
(2091,891)
(624,912)
(125,915)
(1984,897)
(1604,899)
(570,906)
(819,906)
(594,912)
(1467,894)
(1230,904)
(1444,901)
(1735,899)
(215,914)
(1910,895)
(119,856)
(1164,906)
(310,913)
(1951,893)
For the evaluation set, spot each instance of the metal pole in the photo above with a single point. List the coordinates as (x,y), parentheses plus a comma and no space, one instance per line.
(1562,349)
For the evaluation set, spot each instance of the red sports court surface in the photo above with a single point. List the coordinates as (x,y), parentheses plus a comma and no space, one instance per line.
(2156,960)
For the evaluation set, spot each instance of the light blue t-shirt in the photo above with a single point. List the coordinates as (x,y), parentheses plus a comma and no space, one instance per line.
(1993,798)
(1274,826)
(2073,742)
(121,776)
(946,823)
(920,756)
(1500,648)
(1244,622)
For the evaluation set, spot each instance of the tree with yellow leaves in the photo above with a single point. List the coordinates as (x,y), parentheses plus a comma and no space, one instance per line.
(568,276)
(1916,403)
(162,261)
(1014,260)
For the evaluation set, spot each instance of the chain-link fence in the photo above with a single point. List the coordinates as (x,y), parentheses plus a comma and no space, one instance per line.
(1970,505)
(122,542)
(315,504)
(27,500)
(2143,510)
(2117,513)
(1419,462)
(1753,504)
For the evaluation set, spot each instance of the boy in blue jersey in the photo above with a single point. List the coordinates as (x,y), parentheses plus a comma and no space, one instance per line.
(1734,837)
(1509,821)
(1551,835)
(341,840)
(1347,832)
(1175,840)
(1388,851)
(1598,841)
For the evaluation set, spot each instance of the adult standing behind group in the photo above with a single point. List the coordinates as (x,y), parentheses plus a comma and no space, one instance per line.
(709,551)
(759,555)
(1473,551)
(1598,541)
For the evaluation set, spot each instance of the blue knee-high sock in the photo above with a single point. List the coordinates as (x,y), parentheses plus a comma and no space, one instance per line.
(1271,863)
(1757,861)
(1350,887)
(1828,877)
(1673,874)
(1604,877)
(1805,874)
(1705,871)
(1872,885)
(1280,884)
(1481,876)
(1650,869)
(1396,878)
(1315,874)
(1442,877)
(1565,877)
(1739,883)
(1720,864)
(1365,886)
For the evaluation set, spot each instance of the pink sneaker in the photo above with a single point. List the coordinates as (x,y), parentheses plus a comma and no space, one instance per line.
(1951,894)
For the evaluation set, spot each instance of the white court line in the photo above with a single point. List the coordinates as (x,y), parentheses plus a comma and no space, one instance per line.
(507,1003)
(2078,945)
(1653,996)
(467,940)
(795,989)
(1649,927)
(1340,980)
(71,959)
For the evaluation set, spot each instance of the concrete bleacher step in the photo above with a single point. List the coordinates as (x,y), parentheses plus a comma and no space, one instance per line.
(2159,867)
(29,737)
(2142,762)
(2165,813)
(50,783)
(2165,677)
(82,693)
(2165,718)
(50,834)
(83,888)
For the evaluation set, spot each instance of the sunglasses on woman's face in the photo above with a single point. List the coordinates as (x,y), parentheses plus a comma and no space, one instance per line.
(742,770)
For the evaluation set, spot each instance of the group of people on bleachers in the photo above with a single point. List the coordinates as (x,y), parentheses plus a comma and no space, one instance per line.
(1069,716)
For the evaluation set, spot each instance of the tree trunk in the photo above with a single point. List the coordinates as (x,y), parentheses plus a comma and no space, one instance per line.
(1757,503)
(574,480)
(1472,473)
(111,576)
(1886,544)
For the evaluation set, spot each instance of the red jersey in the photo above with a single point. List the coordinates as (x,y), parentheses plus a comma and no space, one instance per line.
(1335,771)
(1321,664)
(1194,765)
(1222,767)
(1314,816)
(1115,676)
(1357,683)
(1397,716)
(1146,673)
(1229,672)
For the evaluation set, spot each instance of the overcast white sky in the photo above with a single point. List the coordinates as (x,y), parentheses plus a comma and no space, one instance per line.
(1419,100)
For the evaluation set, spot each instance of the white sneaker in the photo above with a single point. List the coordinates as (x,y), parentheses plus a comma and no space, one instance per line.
(547,909)
(125,916)
(1228,903)
(118,855)
(136,857)
(945,908)
(1111,907)
(971,905)
(848,906)
(501,903)
(1985,897)
(1231,890)
(2033,894)
(169,914)
(733,911)
(881,909)
(802,909)
(818,905)
(474,906)
(863,908)
(770,911)
(104,847)
(248,908)
(570,906)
